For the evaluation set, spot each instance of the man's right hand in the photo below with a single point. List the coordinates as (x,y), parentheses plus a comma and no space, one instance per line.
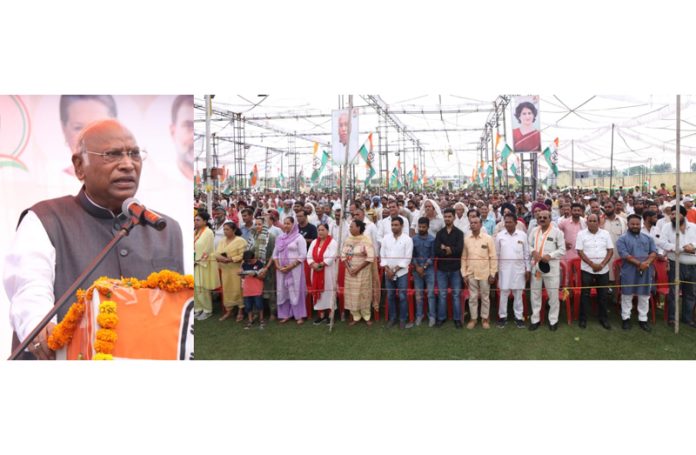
(39,346)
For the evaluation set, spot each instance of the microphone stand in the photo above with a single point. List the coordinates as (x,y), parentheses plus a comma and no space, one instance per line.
(124,231)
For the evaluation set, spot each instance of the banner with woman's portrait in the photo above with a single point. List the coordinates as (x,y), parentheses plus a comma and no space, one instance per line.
(526,135)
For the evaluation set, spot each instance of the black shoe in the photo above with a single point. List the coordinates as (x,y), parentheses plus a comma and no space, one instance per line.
(582,324)
(391,323)
(626,324)
(519,323)
(533,327)
(644,325)
(553,327)
(318,320)
(501,323)
(439,324)
(691,324)
(457,324)
(605,324)
(670,323)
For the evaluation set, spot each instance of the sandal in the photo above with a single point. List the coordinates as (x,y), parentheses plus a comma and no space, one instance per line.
(300,321)
(283,321)
(240,316)
(227,315)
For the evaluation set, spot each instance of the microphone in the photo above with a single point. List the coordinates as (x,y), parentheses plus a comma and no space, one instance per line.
(145,216)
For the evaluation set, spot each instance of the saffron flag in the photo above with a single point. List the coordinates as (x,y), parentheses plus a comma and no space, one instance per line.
(254,176)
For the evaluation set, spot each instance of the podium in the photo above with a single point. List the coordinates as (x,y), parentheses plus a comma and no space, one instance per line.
(153,320)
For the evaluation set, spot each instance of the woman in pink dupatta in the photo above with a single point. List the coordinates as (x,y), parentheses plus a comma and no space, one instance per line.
(289,255)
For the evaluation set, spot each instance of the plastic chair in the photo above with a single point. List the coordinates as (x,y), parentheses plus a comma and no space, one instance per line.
(411,294)
(661,286)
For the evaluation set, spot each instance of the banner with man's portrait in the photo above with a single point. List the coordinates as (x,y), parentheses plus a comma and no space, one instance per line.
(342,121)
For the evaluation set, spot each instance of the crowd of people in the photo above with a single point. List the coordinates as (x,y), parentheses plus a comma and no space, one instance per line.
(285,256)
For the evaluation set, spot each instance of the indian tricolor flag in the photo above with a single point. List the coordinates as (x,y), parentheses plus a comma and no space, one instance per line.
(551,156)
(318,164)
(502,150)
(367,154)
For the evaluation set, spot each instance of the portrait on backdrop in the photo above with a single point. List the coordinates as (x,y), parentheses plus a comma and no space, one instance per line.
(526,136)
(344,131)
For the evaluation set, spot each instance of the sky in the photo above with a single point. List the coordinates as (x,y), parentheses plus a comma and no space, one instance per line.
(644,129)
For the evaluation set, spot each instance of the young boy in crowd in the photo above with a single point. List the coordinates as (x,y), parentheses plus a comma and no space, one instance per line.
(252,288)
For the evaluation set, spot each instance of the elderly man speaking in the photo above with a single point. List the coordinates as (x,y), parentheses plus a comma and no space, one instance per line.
(57,239)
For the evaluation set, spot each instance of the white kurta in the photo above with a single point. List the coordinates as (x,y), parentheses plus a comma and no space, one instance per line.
(328,297)
(513,259)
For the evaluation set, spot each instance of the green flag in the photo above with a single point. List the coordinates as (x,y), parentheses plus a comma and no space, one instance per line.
(551,156)
(319,166)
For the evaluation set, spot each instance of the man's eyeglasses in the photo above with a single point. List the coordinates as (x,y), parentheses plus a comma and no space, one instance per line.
(112,156)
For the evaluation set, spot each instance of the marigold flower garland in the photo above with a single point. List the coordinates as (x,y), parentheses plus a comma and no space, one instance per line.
(107,319)
(106,335)
(63,332)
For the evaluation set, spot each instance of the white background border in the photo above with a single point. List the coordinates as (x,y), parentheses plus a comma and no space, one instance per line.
(296,47)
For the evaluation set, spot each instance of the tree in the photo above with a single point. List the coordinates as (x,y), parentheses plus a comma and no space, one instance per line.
(662,167)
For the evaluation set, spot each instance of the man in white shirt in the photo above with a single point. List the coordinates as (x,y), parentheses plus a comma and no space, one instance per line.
(547,246)
(687,264)
(649,228)
(616,226)
(396,252)
(595,248)
(370,227)
(57,239)
(513,269)
(461,220)
(384,226)
(219,218)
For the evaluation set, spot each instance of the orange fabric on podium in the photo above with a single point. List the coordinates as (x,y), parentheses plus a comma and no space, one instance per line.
(153,324)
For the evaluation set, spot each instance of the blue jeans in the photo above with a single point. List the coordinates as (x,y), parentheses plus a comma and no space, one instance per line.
(453,280)
(392,287)
(253,303)
(686,273)
(419,284)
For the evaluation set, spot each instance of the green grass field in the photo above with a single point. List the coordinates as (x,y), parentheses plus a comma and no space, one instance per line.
(228,340)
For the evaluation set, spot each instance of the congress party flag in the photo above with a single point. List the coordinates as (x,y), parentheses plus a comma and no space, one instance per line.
(551,156)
